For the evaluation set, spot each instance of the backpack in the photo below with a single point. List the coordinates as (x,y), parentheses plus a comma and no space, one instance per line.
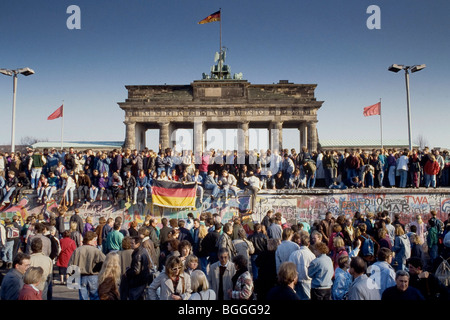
(367,247)
(12,232)
(443,273)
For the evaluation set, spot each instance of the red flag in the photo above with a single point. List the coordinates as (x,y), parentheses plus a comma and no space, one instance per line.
(372,110)
(211,18)
(57,114)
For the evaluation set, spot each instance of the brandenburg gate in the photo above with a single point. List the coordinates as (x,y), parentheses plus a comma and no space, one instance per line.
(221,101)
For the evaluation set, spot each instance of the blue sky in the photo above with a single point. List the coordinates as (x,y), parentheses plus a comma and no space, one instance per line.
(143,42)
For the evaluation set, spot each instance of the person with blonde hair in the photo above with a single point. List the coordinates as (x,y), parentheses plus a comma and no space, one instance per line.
(417,249)
(68,186)
(32,278)
(109,277)
(402,248)
(200,287)
(421,228)
(174,283)
(75,235)
(383,239)
(339,251)
(191,264)
(88,226)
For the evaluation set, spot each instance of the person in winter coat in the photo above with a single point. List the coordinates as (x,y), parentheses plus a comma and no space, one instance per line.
(430,171)
(242,280)
(432,240)
(244,247)
(174,283)
(32,278)
(9,188)
(402,248)
(414,169)
(226,242)
(68,246)
(309,167)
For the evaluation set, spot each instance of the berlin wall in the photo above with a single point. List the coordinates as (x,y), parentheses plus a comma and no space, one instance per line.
(295,207)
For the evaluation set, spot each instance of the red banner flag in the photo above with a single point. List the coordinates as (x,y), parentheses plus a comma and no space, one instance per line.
(57,114)
(372,110)
(212,17)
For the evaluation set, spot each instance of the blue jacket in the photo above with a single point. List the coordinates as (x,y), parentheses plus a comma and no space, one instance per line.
(11,285)
(341,284)
(209,180)
(283,252)
(52,160)
(321,272)
(142,181)
(103,165)
(402,249)
(383,274)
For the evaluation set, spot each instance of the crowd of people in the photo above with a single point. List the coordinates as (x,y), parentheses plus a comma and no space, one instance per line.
(363,257)
(107,175)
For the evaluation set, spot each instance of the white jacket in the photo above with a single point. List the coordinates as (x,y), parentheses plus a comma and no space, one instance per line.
(165,283)
(2,235)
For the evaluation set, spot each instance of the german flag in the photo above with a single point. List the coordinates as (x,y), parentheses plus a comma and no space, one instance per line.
(211,18)
(173,194)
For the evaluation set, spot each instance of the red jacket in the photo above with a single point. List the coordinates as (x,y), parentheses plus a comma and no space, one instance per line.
(29,293)
(68,246)
(431,167)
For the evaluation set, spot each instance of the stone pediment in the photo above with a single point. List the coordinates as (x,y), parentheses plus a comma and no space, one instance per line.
(213,103)
(220,92)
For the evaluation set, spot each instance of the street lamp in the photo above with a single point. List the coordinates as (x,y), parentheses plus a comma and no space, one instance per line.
(15,73)
(396,68)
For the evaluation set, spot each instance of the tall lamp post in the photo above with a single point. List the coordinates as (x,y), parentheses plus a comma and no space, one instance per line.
(396,68)
(15,73)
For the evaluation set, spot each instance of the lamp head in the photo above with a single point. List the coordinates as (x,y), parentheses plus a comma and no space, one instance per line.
(418,67)
(396,68)
(6,72)
(26,71)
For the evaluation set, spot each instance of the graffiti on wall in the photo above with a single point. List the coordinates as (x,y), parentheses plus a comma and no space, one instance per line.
(310,208)
(293,207)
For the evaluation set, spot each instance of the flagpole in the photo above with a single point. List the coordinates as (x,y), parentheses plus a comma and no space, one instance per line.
(381,127)
(220,43)
(62,126)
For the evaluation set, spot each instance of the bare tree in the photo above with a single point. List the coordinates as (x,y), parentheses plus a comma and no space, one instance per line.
(28,140)
(421,141)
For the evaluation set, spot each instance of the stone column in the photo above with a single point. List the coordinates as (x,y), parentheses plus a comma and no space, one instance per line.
(172,135)
(276,136)
(140,136)
(312,137)
(130,134)
(242,141)
(243,138)
(303,135)
(199,145)
(164,137)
